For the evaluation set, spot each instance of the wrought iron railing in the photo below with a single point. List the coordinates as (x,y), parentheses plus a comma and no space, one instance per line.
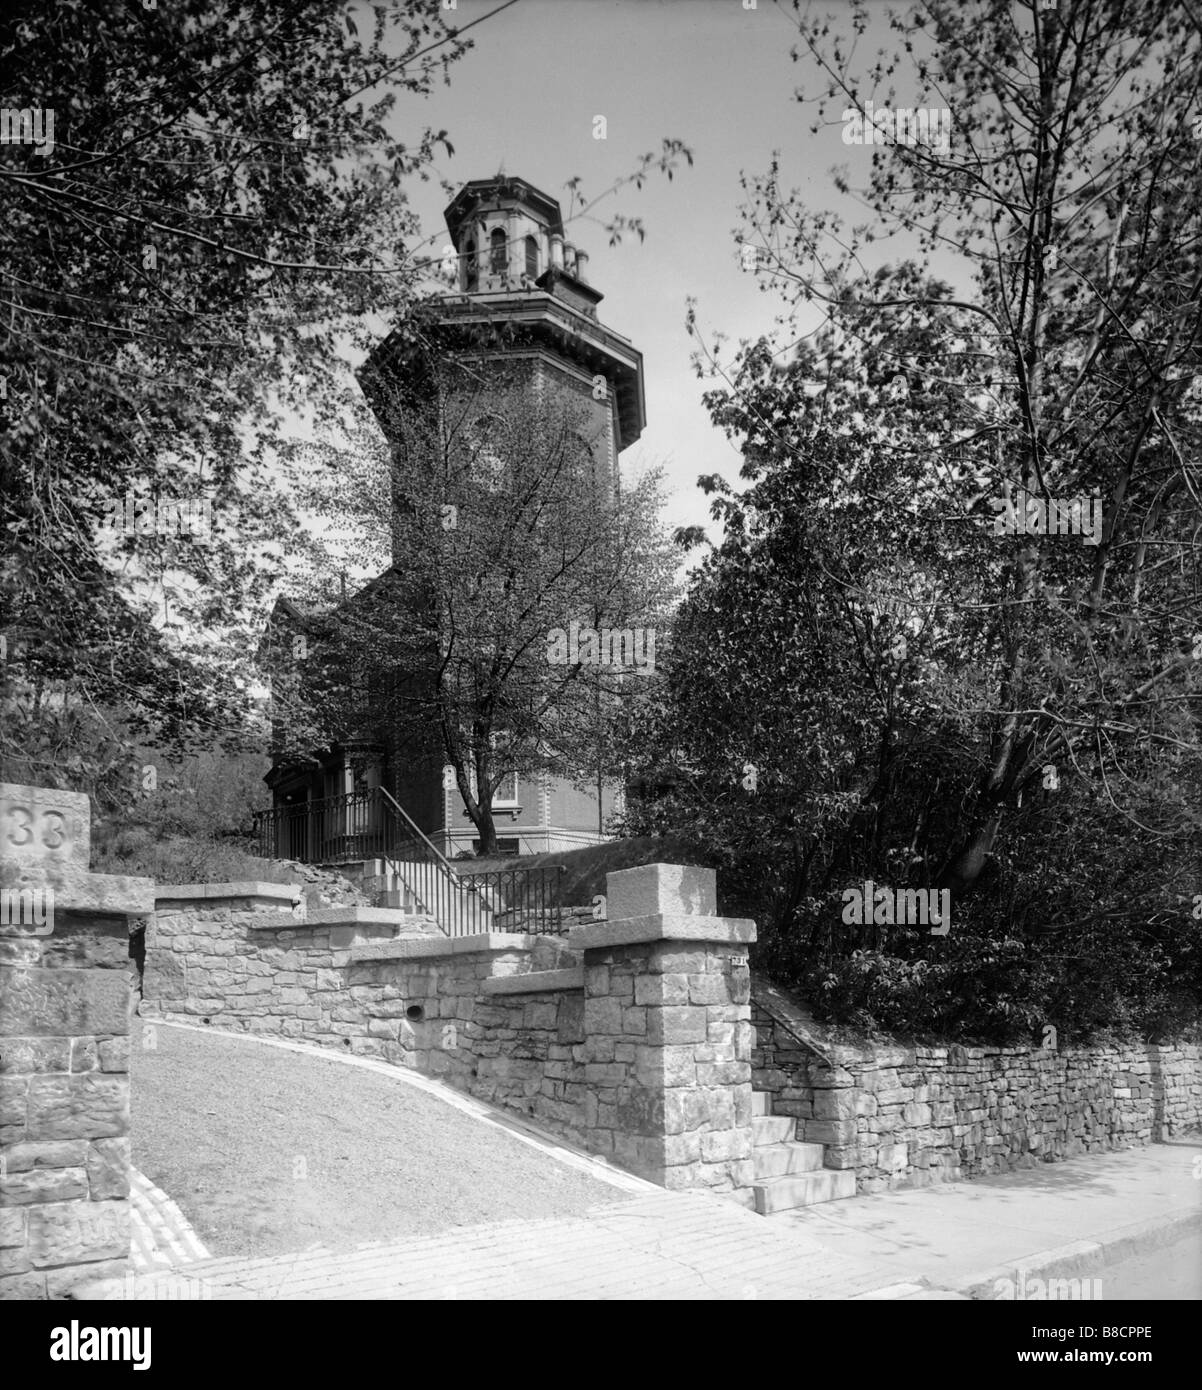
(518,900)
(330,830)
(372,825)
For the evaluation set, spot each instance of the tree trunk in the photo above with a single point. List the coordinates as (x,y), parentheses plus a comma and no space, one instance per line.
(965,868)
(486,826)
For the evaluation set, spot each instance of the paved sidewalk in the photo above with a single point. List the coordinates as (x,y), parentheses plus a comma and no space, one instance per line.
(1066,1219)
(954,1241)
(663,1245)
(1061,1220)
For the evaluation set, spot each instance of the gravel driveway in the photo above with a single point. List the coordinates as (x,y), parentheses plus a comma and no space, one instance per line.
(268,1151)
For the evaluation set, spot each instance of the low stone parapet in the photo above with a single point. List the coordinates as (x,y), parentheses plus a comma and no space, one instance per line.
(226,953)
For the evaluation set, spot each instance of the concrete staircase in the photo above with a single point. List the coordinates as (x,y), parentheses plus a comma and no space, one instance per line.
(790,1174)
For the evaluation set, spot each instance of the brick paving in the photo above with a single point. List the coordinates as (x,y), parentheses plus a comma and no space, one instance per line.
(161,1237)
(661,1245)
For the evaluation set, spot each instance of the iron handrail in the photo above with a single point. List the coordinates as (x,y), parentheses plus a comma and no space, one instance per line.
(399,810)
(351,826)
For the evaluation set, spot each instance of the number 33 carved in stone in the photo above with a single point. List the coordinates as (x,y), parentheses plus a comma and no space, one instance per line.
(50,825)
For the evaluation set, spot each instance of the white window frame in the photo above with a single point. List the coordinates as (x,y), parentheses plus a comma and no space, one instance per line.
(500,801)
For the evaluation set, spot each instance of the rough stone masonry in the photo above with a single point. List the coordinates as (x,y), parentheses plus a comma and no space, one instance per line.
(65,1003)
(910,1115)
(632,1038)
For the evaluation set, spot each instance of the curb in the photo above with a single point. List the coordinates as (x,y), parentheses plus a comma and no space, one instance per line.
(517,1126)
(1082,1257)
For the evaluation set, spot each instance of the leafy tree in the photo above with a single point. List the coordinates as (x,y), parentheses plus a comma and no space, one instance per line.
(1011,716)
(221,205)
(501,533)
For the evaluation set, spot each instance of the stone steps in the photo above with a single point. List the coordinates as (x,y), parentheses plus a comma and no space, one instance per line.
(803,1190)
(785,1160)
(397,884)
(772,1129)
(789,1174)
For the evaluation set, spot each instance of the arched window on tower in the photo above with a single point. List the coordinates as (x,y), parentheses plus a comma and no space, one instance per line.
(499,263)
(472,263)
(532,258)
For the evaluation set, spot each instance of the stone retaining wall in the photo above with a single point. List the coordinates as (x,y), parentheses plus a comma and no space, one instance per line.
(910,1116)
(632,1037)
(251,956)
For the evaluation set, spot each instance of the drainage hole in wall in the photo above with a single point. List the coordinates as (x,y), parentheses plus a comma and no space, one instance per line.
(204,1020)
(415,1013)
(346,1042)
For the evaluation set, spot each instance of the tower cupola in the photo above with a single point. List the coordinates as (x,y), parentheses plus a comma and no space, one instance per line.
(502,230)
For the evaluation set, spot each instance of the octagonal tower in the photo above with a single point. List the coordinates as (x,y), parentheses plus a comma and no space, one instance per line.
(523,299)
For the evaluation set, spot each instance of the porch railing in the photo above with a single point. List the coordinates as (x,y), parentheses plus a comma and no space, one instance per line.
(373,825)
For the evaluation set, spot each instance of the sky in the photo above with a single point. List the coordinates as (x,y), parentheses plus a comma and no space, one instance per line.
(709,72)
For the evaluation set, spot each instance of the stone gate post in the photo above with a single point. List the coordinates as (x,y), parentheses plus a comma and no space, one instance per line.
(667,1030)
(65,1005)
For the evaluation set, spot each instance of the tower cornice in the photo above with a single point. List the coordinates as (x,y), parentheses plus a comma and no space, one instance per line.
(539,317)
